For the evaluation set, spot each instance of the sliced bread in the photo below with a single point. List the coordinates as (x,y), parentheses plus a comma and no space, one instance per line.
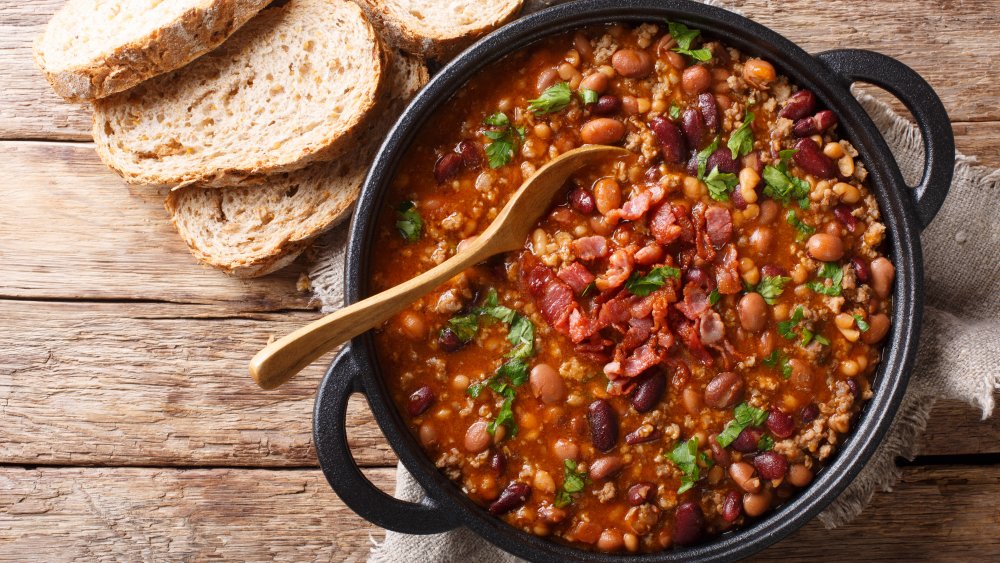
(252,231)
(291,87)
(437,29)
(94,48)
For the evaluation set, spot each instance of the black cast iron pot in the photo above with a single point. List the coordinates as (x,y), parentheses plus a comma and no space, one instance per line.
(905,211)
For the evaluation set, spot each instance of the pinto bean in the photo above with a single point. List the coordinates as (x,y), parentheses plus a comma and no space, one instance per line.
(420,401)
(607,195)
(546,78)
(741,473)
(878,328)
(606,105)
(724,390)
(755,505)
(565,449)
(672,143)
(648,391)
(603,425)
(477,438)
(610,540)
(583,46)
(512,497)
(752,311)
(602,131)
(689,523)
(696,79)
(768,212)
(759,73)
(798,105)
(632,63)
(801,377)
(825,247)
(883,273)
(809,158)
(762,239)
(604,467)
(799,475)
(598,82)
(546,384)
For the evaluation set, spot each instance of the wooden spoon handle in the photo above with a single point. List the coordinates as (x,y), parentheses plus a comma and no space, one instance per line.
(282,359)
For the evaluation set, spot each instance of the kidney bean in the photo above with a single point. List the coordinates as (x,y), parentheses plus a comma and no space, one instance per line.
(722,159)
(809,413)
(696,79)
(878,328)
(547,384)
(709,111)
(598,82)
(732,506)
(632,63)
(693,126)
(752,311)
(825,120)
(648,391)
(512,497)
(773,270)
(472,153)
(719,454)
(498,463)
(477,438)
(602,131)
(741,473)
(420,401)
(447,166)
(641,435)
(689,522)
(692,165)
(771,465)
(640,493)
(798,105)
(843,214)
(883,273)
(449,340)
(861,269)
(737,198)
(672,143)
(812,160)
(603,425)
(808,126)
(724,390)
(780,424)
(746,442)
(582,201)
(855,389)
(604,467)
(825,247)
(606,105)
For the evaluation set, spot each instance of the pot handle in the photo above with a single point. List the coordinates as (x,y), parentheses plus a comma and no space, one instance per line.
(358,493)
(917,95)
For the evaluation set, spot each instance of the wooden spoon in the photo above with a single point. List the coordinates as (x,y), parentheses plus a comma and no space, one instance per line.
(282,359)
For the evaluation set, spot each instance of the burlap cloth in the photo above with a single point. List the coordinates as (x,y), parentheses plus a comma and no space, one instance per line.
(959,346)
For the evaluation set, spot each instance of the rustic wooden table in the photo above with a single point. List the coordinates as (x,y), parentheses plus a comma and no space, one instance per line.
(130,430)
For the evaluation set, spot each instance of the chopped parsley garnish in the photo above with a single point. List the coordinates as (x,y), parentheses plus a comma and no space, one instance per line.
(833,272)
(573,482)
(744,416)
(685,457)
(464,326)
(644,285)
(787,328)
(765,443)
(522,336)
(778,359)
(493,309)
(675,111)
(804,230)
(703,157)
(408,221)
(781,185)
(504,137)
(685,36)
(809,336)
(553,99)
(771,287)
(720,184)
(506,415)
(741,141)
(714,297)
(862,325)
(589,96)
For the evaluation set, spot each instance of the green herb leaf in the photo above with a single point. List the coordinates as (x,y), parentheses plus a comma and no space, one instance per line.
(589,96)
(804,230)
(491,308)
(553,99)
(821,339)
(573,482)
(744,416)
(765,443)
(703,157)
(741,141)
(786,328)
(720,184)
(514,370)
(682,34)
(505,417)
(771,288)
(786,154)
(696,54)
(833,272)
(862,325)
(505,139)
(675,111)
(408,221)
(778,359)
(644,285)
(464,326)
(685,457)
(522,336)
(780,185)
(498,119)
(714,297)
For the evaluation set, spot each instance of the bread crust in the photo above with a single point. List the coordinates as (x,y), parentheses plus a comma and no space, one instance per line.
(197,31)
(439,47)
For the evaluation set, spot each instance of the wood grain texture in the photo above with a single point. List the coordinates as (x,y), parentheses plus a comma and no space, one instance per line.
(112,514)
(71,229)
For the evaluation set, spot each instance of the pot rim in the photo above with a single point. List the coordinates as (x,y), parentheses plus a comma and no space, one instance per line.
(897,209)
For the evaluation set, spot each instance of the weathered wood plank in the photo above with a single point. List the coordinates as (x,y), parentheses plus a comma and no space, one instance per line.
(935,512)
(943,41)
(153,384)
(70,228)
